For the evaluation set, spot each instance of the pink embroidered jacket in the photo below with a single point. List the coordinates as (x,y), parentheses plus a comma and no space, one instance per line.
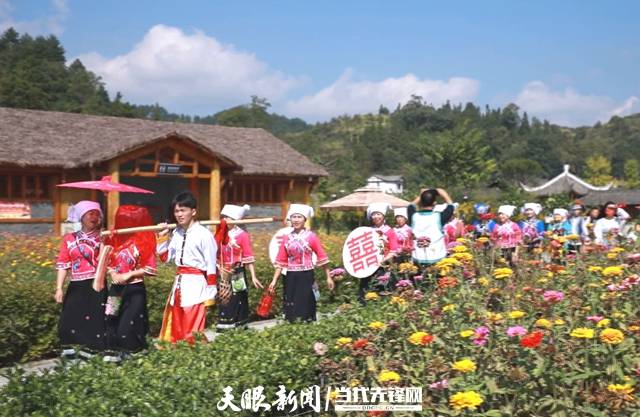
(79,252)
(506,235)
(405,238)
(129,259)
(295,252)
(238,249)
(390,238)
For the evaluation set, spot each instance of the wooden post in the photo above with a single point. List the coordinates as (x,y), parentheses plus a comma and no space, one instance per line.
(56,209)
(214,192)
(113,198)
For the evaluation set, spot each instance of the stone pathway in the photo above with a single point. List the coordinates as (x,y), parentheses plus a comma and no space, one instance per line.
(38,367)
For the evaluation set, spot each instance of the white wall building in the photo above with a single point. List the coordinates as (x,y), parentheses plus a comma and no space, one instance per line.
(392,184)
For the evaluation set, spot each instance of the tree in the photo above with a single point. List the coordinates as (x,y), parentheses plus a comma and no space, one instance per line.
(598,170)
(632,173)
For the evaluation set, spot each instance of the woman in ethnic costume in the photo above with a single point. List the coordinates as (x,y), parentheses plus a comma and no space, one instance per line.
(376,213)
(133,259)
(404,235)
(608,228)
(295,254)
(507,235)
(237,258)
(532,227)
(82,319)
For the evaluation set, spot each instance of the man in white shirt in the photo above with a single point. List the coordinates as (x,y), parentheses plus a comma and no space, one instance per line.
(193,249)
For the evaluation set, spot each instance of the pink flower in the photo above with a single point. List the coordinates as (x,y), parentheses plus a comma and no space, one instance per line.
(439,385)
(383,279)
(320,348)
(480,336)
(516,331)
(418,278)
(418,295)
(595,319)
(403,283)
(553,296)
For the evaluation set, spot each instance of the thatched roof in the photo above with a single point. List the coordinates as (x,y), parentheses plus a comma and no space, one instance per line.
(361,198)
(32,138)
(566,182)
(618,196)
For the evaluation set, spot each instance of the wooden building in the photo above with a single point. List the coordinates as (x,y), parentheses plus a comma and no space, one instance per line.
(40,149)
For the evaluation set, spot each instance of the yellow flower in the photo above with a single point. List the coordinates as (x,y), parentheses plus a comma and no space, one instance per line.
(463,256)
(516,314)
(467,333)
(604,323)
(420,338)
(462,240)
(398,300)
(582,333)
(612,271)
(354,383)
(617,250)
(502,273)
(634,328)
(449,307)
(573,237)
(482,239)
(558,322)
(612,255)
(407,267)
(626,389)
(611,336)
(464,365)
(371,296)
(494,317)
(618,315)
(343,341)
(388,376)
(594,269)
(484,281)
(460,249)
(376,325)
(465,399)
(544,323)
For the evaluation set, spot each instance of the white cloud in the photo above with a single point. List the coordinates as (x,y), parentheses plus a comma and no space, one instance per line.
(348,96)
(192,73)
(569,107)
(51,24)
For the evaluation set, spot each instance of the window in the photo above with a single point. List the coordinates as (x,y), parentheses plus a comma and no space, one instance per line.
(254,192)
(25,187)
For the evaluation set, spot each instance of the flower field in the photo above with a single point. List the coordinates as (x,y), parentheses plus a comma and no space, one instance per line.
(480,338)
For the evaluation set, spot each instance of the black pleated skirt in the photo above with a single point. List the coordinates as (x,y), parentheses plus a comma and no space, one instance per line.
(128,328)
(82,319)
(299,303)
(235,313)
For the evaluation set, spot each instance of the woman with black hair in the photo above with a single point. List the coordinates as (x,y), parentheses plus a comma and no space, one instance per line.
(428,225)
(608,228)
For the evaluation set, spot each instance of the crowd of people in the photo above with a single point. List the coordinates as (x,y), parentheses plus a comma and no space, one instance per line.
(218,267)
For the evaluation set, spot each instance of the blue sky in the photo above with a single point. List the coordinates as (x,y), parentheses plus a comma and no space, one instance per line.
(572,62)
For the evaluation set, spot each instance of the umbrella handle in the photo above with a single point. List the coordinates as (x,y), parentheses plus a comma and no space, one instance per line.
(157,228)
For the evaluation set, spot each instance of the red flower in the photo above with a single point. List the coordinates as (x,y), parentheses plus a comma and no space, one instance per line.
(532,340)
(360,343)
(426,339)
(447,282)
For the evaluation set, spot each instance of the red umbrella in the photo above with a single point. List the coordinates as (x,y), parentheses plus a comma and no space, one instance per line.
(105,184)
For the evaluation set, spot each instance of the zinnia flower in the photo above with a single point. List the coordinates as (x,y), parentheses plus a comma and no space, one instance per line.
(320,348)
(467,333)
(502,273)
(439,385)
(376,325)
(582,333)
(532,340)
(465,399)
(612,271)
(360,343)
(516,314)
(343,341)
(481,336)
(516,331)
(371,296)
(611,336)
(553,296)
(544,323)
(603,323)
(403,283)
(449,307)
(420,338)
(464,365)
(388,376)
(595,319)
(626,389)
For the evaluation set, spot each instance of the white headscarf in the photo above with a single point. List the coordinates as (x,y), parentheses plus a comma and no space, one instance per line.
(536,207)
(235,212)
(378,208)
(507,210)
(76,211)
(302,209)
